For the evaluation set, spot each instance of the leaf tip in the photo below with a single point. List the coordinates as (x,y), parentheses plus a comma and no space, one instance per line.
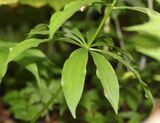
(73,112)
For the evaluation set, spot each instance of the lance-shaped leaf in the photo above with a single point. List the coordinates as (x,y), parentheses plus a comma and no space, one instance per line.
(73,77)
(29,59)
(148,94)
(151,52)
(23,46)
(4,52)
(151,27)
(108,78)
(3,57)
(60,17)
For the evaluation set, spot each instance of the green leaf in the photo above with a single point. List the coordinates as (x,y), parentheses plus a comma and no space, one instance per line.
(23,46)
(90,100)
(34,3)
(73,78)
(151,52)
(76,32)
(151,27)
(4,52)
(69,41)
(34,70)
(70,35)
(158,1)
(28,60)
(59,4)
(108,78)
(143,84)
(41,29)
(6,2)
(60,17)
(3,57)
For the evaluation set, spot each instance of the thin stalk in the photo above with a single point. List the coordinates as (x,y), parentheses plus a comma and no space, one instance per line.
(150,4)
(120,37)
(108,11)
(47,104)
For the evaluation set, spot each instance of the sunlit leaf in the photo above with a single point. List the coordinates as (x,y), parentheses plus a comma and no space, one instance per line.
(59,4)
(108,78)
(158,1)
(6,2)
(152,27)
(60,17)
(34,3)
(73,77)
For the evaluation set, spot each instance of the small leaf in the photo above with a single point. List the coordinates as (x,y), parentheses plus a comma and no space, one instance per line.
(23,46)
(34,70)
(108,78)
(69,41)
(60,17)
(41,29)
(73,77)
(76,32)
(28,60)
(70,35)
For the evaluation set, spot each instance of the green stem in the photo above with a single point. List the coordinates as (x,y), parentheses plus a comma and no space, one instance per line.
(108,11)
(150,4)
(47,105)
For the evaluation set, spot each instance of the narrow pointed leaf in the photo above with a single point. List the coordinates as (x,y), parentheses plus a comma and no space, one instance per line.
(108,78)
(60,17)
(148,94)
(151,52)
(151,27)
(33,68)
(73,77)
(67,40)
(76,32)
(3,57)
(23,46)
(29,59)
(41,29)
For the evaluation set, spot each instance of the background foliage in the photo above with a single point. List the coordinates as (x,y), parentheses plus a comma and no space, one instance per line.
(27,86)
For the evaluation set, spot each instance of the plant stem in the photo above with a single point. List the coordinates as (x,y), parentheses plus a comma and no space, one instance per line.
(108,11)
(150,4)
(120,37)
(47,104)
